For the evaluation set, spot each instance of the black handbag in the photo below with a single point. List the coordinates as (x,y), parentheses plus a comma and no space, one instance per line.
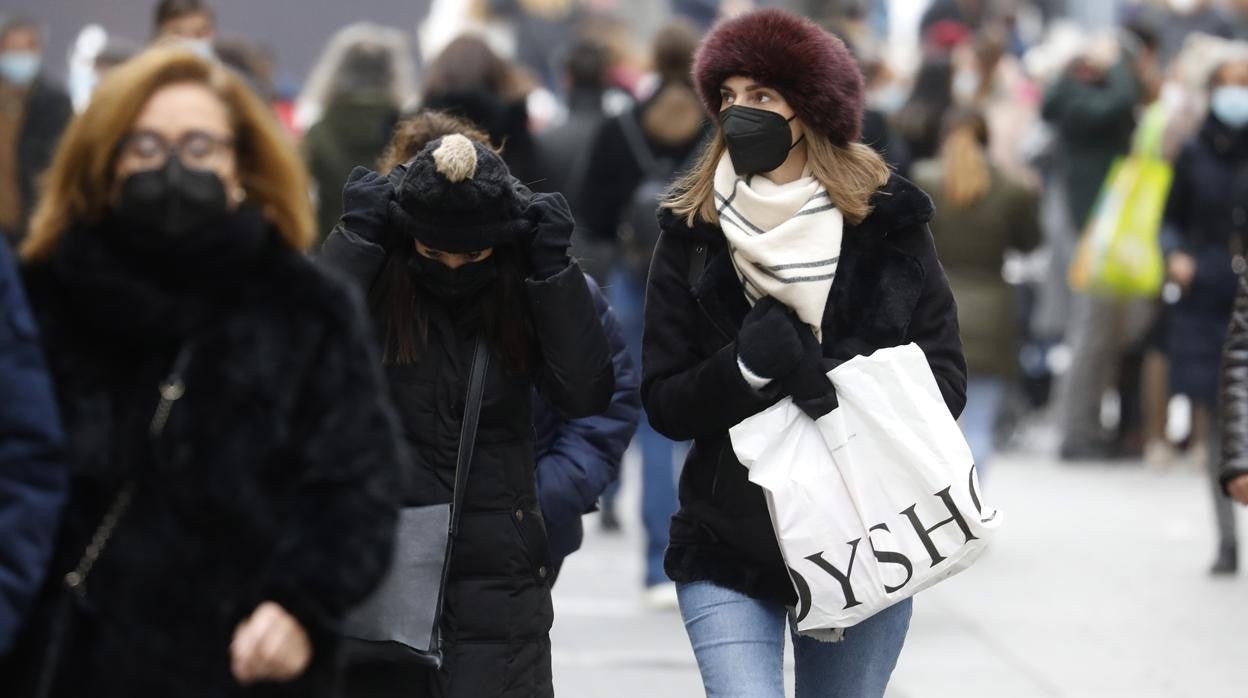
(400,621)
(71,599)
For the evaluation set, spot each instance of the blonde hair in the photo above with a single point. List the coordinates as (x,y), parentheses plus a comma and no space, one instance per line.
(963,161)
(82,177)
(851,175)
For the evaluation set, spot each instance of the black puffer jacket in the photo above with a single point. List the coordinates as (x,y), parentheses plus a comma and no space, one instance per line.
(890,290)
(273,481)
(498,608)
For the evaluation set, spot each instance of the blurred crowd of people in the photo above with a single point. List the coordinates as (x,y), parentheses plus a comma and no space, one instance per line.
(1014,119)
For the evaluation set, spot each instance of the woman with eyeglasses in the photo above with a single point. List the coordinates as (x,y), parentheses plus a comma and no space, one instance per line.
(233,456)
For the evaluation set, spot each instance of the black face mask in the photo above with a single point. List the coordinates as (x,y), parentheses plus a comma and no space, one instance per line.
(449,284)
(172,202)
(758,140)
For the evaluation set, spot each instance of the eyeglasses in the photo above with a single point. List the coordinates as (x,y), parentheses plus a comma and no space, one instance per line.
(198,150)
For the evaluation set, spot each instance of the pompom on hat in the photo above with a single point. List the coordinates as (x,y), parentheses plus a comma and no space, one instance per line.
(812,69)
(457,195)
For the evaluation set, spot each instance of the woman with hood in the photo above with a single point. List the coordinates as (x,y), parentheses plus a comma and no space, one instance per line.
(452,249)
(788,249)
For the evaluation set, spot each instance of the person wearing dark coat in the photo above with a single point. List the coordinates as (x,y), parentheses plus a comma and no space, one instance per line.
(32,467)
(234,459)
(576,458)
(725,339)
(1204,237)
(579,458)
(451,248)
(33,113)
(360,112)
(563,149)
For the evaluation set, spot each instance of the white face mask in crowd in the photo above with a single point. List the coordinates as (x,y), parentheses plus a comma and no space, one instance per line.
(19,67)
(1230,105)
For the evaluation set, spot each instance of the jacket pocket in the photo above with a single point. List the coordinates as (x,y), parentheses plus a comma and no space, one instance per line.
(531,530)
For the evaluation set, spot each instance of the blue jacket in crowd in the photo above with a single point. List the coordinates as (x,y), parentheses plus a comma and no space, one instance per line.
(33,475)
(578,459)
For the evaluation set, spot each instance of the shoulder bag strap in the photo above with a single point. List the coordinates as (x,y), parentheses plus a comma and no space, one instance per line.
(171,390)
(468,429)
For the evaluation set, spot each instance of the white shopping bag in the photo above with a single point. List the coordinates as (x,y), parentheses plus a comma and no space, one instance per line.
(875,501)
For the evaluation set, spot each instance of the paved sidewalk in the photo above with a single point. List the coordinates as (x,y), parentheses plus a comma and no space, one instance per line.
(1095,588)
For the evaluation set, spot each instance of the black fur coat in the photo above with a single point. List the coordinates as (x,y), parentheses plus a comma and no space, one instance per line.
(273,481)
(889,290)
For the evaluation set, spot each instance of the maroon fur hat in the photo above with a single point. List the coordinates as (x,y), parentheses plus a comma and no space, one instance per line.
(814,70)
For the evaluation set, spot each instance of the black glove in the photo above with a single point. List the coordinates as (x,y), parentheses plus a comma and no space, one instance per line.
(366,201)
(552,234)
(808,384)
(768,344)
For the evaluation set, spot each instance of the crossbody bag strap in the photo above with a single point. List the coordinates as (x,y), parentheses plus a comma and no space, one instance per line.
(171,390)
(468,429)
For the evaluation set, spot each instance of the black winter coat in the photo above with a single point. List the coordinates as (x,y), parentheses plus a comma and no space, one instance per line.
(1206,217)
(273,481)
(889,290)
(498,611)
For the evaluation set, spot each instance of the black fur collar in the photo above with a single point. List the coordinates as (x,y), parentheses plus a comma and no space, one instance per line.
(118,294)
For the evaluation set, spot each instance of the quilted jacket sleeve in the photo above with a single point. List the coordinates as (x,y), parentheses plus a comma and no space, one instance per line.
(33,472)
(1235,390)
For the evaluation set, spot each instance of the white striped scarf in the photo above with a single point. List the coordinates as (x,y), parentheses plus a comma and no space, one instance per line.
(785,239)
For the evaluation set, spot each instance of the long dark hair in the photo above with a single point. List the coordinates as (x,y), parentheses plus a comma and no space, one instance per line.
(402,309)
(919,119)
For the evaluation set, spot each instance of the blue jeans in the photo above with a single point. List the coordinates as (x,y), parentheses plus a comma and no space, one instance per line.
(984,396)
(739,645)
(658,453)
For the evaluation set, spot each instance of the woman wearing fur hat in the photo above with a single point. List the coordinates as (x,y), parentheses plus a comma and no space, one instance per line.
(450,248)
(788,249)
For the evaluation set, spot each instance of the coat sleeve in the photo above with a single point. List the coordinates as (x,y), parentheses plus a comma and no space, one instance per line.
(345,458)
(575,374)
(33,471)
(584,458)
(1174,220)
(1235,391)
(934,323)
(687,395)
(359,259)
